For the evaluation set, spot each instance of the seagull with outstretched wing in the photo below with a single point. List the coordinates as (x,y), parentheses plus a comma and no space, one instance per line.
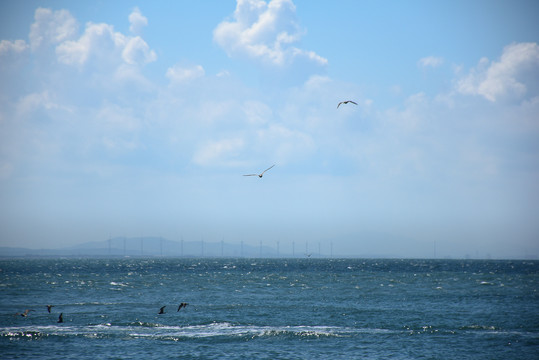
(346,102)
(262,173)
(25,313)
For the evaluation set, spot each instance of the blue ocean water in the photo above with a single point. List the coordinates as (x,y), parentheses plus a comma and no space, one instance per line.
(269,309)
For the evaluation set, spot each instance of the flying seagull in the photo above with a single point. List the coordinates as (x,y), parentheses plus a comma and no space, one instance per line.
(182,305)
(61,318)
(162,310)
(262,173)
(346,102)
(49,308)
(25,313)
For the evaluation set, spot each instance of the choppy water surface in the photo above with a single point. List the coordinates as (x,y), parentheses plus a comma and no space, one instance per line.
(269,309)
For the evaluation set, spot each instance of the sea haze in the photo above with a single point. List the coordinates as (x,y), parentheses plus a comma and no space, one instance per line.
(269,308)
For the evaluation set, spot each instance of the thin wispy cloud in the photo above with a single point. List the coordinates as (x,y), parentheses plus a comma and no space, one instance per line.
(179,74)
(17,46)
(430,61)
(219,153)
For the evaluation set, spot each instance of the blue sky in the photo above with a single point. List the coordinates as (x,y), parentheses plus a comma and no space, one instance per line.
(136,119)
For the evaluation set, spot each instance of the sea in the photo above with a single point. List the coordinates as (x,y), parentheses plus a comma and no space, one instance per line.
(307,308)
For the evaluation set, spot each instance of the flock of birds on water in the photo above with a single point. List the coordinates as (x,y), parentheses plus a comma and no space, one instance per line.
(262,173)
(61,316)
(183,304)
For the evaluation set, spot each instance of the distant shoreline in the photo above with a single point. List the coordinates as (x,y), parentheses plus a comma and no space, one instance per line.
(158,247)
(186,257)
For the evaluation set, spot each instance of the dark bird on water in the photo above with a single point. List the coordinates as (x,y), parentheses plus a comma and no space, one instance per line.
(346,102)
(25,313)
(182,305)
(49,308)
(61,318)
(262,173)
(162,310)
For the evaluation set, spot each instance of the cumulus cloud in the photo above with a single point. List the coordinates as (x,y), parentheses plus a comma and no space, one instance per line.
(264,31)
(98,39)
(179,74)
(430,61)
(137,51)
(51,28)
(106,45)
(512,75)
(137,21)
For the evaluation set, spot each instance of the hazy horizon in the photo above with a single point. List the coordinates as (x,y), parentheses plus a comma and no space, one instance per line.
(154,246)
(139,119)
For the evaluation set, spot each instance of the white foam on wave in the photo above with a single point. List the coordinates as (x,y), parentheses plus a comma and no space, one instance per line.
(225,329)
(214,330)
(204,330)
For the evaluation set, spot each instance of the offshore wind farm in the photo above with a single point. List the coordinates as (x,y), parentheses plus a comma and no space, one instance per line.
(159,246)
(148,246)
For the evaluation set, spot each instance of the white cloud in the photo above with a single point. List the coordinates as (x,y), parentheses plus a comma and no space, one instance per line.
(131,78)
(98,40)
(101,42)
(137,21)
(51,27)
(45,100)
(179,74)
(512,75)
(12,54)
(17,47)
(99,45)
(317,81)
(264,31)
(219,152)
(137,51)
(430,61)
(223,73)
